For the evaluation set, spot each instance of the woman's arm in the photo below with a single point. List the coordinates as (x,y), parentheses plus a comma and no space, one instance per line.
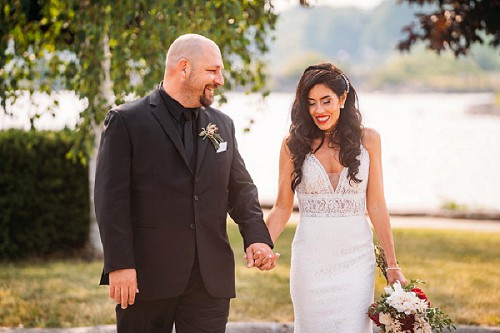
(376,206)
(283,206)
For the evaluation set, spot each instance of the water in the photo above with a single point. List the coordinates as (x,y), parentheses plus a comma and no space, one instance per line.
(433,150)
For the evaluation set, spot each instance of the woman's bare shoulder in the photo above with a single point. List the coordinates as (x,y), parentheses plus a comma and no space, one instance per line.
(284,144)
(371,139)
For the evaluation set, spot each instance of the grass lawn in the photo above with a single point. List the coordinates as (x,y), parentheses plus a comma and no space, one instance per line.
(462,271)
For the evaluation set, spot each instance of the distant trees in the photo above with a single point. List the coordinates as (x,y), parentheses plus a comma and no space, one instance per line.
(426,71)
(453,24)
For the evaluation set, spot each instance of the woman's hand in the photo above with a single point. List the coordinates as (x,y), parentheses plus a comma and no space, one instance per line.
(394,275)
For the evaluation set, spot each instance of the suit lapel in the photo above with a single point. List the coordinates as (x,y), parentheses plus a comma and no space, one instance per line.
(161,114)
(203,121)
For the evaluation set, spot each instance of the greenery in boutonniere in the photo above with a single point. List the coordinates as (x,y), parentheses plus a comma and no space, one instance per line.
(211,132)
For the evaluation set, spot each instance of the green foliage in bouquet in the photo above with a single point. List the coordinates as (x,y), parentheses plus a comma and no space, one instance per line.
(405,308)
(380,259)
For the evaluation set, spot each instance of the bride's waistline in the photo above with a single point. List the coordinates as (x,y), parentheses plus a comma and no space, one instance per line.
(332,217)
(335,196)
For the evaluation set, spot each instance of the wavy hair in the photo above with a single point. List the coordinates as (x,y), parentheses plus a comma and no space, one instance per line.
(347,133)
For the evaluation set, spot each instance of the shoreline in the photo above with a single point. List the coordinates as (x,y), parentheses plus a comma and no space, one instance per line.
(483,215)
(448,214)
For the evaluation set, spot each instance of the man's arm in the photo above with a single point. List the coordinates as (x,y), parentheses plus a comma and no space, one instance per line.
(112,205)
(245,210)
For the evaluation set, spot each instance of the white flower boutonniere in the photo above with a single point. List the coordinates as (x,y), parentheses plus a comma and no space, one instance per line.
(211,132)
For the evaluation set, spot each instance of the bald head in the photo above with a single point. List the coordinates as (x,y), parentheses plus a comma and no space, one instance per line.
(189,47)
(193,70)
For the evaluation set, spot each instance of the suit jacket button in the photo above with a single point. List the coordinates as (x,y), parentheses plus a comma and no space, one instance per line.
(192,226)
(196,198)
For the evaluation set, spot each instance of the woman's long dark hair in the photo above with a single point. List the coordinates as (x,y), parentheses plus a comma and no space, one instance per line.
(347,133)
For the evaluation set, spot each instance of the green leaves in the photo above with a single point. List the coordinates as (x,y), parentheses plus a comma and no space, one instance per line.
(380,259)
(124,41)
(43,195)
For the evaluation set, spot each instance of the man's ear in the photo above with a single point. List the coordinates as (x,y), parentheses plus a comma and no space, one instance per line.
(184,67)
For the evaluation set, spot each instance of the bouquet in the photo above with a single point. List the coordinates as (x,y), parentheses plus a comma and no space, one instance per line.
(405,309)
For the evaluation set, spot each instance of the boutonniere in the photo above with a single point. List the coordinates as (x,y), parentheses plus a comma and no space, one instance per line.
(210,132)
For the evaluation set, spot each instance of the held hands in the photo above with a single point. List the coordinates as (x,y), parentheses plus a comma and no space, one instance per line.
(261,256)
(123,286)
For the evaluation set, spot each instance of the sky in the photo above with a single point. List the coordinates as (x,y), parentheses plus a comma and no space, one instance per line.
(281,5)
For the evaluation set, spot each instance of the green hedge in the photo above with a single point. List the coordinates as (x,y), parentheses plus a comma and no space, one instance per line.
(44,197)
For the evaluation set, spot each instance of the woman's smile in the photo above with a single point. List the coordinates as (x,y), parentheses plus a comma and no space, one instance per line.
(324,106)
(322,119)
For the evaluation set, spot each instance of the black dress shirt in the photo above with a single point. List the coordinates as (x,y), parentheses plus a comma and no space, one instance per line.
(179,115)
(176,110)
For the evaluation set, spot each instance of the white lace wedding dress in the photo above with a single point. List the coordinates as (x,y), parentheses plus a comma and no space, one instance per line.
(333,264)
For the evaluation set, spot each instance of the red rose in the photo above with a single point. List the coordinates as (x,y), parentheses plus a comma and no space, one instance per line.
(420,294)
(374,315)
(407,323)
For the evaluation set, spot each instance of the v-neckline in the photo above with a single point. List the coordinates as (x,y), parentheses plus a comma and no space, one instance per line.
(327,177)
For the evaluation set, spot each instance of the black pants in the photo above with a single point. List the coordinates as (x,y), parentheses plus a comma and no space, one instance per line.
(195,311)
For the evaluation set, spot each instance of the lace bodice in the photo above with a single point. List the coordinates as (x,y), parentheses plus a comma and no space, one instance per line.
(318,198)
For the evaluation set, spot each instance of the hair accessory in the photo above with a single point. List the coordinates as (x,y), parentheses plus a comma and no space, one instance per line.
(346,82)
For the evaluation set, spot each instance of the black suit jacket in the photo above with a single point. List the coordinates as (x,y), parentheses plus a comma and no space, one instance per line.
(154,212)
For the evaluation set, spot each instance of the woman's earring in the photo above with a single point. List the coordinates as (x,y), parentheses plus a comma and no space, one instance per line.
(342,106)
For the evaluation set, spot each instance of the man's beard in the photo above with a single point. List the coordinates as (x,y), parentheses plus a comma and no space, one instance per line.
(206,100)
(191,88)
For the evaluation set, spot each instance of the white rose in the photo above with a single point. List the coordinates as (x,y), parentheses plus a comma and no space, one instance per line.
(385,318)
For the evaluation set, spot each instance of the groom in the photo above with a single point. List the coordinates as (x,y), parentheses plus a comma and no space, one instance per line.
(162,192)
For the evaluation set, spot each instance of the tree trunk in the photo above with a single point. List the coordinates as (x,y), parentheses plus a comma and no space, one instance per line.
(93,249)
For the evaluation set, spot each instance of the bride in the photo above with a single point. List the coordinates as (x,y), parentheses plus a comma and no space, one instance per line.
(334,166)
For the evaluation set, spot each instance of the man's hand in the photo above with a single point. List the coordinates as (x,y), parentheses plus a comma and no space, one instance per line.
(123,286)
(261,256)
